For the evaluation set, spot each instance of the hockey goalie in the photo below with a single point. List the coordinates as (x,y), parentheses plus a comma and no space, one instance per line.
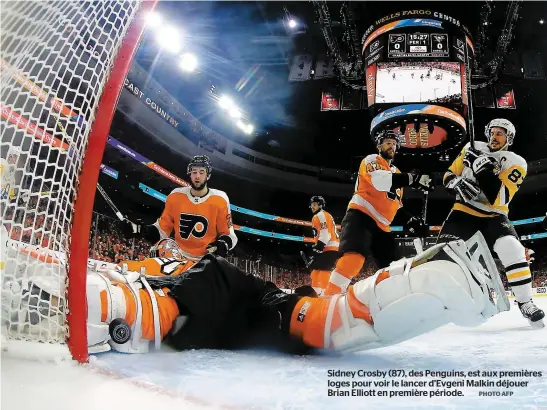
(212,304)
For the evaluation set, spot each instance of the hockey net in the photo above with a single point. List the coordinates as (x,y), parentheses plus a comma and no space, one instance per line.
(62,68)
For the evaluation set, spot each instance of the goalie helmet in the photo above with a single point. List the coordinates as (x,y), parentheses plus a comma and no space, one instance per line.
(166,248)
(200,161)
(385,134)
(319,200)
(501,123)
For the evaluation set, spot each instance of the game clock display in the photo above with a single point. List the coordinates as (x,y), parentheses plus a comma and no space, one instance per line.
(408,45)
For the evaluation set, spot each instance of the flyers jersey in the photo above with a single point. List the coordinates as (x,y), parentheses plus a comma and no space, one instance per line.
(196,221)
(159,266)
(513,171)
(324,229)
(379,205)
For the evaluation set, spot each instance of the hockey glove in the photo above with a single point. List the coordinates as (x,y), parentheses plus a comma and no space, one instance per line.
(130,229)
(465,188)
(422,182)
(317,248)
(471,154)
(417,227)
(485,163)
(219,247)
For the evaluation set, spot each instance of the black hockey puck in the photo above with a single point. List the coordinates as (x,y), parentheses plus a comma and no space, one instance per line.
(119,331)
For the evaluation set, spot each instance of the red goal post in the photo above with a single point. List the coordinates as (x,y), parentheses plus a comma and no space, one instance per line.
(63,66)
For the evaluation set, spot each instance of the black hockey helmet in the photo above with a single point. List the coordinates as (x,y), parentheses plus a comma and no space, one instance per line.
(319,200)
(384,134)
(200,161)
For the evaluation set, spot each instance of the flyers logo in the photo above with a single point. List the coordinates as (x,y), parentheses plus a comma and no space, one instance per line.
(192,225)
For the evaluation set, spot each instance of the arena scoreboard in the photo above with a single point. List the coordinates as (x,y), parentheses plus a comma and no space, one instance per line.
(409,45)
(417,79)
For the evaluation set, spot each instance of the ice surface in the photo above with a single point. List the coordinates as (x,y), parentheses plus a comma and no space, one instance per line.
(404,88)
(262,380)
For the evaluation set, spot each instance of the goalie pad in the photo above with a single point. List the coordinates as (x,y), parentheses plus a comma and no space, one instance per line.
(449,283)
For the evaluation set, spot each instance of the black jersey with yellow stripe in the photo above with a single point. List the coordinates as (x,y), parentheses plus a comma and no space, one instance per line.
(512,171)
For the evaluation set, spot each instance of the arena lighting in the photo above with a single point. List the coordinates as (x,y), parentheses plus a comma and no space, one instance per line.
(168,39)
(292,23)
(153,20)
(188,62)
(225,102)
(234,112)
(246,128)
(541,21)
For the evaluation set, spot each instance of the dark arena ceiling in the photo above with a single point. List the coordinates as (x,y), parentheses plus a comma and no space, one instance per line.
(247,42)
(245,50)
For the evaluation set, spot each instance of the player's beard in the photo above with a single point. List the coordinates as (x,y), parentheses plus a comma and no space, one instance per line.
(388,155)
(197,187)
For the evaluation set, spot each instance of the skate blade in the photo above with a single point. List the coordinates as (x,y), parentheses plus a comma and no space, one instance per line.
(538,324)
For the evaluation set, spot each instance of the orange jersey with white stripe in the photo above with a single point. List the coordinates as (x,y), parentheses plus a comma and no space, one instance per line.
(196,221)
(324,230)
(373,194)
(159,266)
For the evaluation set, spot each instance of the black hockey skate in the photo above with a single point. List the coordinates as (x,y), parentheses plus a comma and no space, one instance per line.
(534,314)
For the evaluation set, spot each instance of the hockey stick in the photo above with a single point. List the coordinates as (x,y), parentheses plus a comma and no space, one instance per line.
(307,261)
(419,243)
(471,118)
(110,203)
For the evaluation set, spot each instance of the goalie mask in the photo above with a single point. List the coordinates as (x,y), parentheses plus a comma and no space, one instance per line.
(166,248)
(501,123)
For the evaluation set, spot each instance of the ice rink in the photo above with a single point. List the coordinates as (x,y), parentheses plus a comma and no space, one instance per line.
(261,380)
(405,88)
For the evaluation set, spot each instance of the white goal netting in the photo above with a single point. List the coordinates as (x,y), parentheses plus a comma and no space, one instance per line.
(55,59)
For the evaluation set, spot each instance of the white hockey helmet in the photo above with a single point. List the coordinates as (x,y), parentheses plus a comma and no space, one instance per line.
(501,123)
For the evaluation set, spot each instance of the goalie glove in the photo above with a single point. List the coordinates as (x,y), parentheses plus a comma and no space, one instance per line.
(465,188)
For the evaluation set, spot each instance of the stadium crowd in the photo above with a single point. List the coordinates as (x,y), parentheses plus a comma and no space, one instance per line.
(107,244)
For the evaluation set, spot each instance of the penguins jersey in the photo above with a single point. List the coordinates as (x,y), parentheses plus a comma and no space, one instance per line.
(513,170)
(197,221)
(324,229)
(373,193)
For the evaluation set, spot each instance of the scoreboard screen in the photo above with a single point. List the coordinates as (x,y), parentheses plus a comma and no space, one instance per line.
(409,45)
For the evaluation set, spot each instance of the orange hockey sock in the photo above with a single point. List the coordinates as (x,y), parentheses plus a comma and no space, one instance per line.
(320,278)
(347,267)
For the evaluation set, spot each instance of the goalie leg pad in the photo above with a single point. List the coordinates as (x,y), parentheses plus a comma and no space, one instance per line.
(106,302)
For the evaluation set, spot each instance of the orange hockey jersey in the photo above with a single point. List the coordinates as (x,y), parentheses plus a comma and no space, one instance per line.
(324,229)
(159,266)
(197,221)
(373,194)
